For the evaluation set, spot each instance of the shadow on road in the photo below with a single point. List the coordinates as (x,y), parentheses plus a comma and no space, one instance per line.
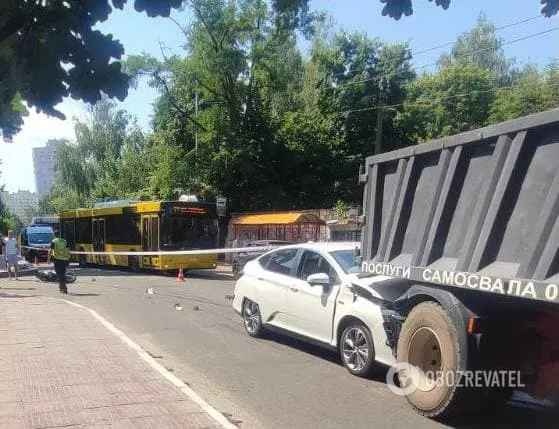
(94,271)
(82,294)
(14,295)
(514,415)
(309,348)
(209,275)
(106,272)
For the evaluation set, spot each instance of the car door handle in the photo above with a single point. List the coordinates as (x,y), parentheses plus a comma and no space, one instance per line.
(293,289)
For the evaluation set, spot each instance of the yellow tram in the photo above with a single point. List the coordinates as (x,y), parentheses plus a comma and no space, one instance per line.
(148,226)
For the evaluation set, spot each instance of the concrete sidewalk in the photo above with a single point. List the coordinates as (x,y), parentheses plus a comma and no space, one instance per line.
(61,367)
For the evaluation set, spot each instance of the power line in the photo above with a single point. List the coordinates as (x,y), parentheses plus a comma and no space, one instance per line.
(477,51)
(450,97)
(444,45)
(491,48)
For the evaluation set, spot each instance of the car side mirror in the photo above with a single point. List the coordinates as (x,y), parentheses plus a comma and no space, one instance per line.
(357,258)
(319,279)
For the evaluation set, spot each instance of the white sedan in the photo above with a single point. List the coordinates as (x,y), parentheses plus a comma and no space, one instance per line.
(312,290)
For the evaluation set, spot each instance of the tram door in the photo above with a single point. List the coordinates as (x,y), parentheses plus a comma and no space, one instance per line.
(99,239)
(150,239)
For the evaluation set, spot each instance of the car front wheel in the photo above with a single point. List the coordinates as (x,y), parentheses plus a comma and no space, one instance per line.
(252,318)
(357,350)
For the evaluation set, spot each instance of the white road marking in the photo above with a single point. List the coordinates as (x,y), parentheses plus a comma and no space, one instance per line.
(215,414)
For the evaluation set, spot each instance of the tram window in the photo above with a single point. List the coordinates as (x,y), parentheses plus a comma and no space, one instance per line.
(83,231)
(122,230)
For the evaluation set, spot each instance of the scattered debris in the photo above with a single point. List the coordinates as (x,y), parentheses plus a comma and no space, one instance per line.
(154,356)
(170,369)
(229,298)
(150,291)
(93,279)
(233,420)
(196,308)
(178,307)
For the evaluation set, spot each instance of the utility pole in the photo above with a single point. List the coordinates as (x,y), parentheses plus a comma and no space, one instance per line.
(196,117)
(378,140)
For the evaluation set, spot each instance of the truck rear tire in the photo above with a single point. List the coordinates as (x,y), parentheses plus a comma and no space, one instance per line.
(429,340)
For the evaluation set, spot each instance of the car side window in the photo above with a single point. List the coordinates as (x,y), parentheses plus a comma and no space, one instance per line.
(314,263)
(282,261)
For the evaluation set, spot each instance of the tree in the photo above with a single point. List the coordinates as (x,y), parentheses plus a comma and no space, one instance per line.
(243,67)
(483,48)
(396,8)
(108,160)
(49,50)
(7,220)
(458,98)
(533,91)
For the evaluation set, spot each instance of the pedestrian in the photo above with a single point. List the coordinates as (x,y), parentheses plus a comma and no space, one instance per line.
(11,254)
(2,253)
(61,256)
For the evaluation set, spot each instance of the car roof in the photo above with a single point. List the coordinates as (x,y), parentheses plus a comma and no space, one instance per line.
(326,246)
(40,228)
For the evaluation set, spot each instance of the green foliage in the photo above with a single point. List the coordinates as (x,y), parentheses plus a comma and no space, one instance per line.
(341,209)
(107,161)
(456,99)
(49,50)
(480,47)
(396,8)
(7,220)
(242,113)
(532,92)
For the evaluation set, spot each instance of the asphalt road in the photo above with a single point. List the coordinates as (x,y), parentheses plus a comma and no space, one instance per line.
(276,382)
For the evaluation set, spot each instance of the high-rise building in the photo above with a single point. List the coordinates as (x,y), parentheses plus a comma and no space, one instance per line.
(44,164)
(21,204)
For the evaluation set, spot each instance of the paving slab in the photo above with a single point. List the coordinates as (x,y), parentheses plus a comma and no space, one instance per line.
(61,367)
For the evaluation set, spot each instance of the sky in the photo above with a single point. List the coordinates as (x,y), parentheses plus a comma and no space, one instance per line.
(429,26)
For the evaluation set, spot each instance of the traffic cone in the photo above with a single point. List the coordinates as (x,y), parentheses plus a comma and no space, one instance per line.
(180,276)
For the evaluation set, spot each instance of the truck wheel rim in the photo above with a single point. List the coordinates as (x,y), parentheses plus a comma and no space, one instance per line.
(425,355)
(252,317)
(355,349)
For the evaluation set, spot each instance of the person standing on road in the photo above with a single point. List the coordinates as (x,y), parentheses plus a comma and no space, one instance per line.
(61,256)
(11,254)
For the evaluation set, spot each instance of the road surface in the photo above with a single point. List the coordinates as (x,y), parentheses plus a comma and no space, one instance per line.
(276,382)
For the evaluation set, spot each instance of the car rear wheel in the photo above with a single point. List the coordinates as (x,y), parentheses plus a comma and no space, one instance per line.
(357,350)
(252,318)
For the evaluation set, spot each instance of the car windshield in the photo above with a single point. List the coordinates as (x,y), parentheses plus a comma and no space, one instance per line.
(41,237)
(347,260)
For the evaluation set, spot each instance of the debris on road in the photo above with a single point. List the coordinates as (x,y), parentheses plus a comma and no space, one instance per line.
(178,307)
